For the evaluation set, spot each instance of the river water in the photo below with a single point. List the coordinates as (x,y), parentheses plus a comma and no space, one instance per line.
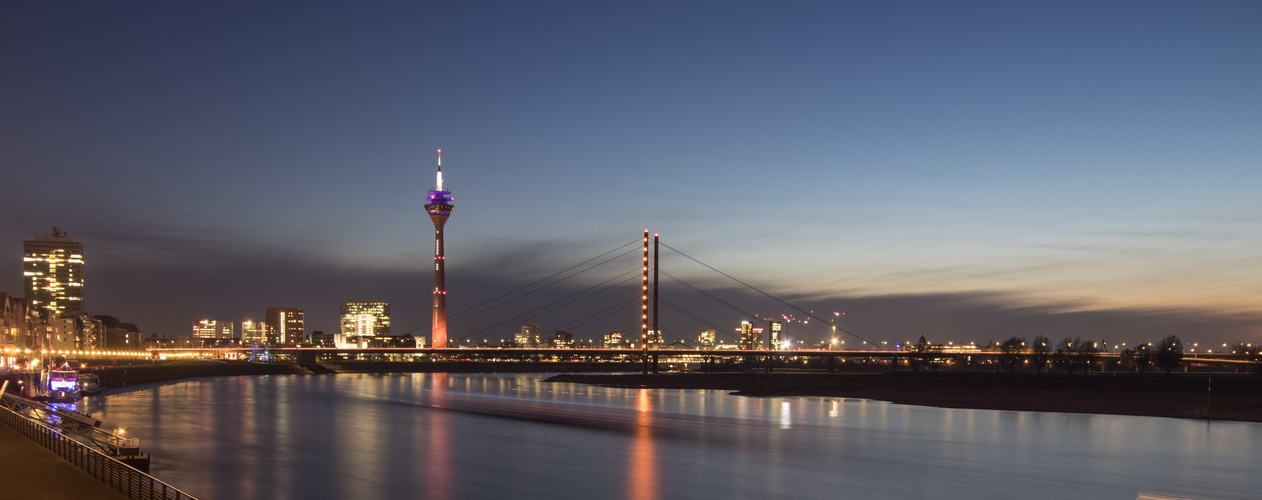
(513,436)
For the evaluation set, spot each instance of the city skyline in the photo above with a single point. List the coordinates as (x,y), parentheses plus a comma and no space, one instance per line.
(968,171)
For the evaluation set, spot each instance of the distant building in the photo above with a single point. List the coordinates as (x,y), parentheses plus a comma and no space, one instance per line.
(91,331)
(654,339)
(777,343)
(253,332)
(59,333)
(613,340)
(406,341)
(562,339)
(321,339)
(156,342)
(529,336)
(706,339)
(14,328)
(212,329)
(52,269)
(365,319)
(120,336)
(284,326)
(751,337)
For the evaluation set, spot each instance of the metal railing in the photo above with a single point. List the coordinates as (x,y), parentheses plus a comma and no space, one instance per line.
(120,476)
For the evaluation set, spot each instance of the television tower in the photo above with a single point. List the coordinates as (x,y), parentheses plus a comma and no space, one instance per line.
(439,209)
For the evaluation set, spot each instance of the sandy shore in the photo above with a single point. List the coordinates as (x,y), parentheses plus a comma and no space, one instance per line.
(1233,397)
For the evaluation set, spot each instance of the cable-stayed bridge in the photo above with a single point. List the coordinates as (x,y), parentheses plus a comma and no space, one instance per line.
(602,290)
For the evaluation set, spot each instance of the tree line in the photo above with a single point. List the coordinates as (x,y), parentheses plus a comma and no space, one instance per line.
(1074,354)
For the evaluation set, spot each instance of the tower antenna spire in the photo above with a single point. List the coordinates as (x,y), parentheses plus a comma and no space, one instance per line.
(439,184)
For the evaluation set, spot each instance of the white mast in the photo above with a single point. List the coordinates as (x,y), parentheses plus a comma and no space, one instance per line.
(440,170)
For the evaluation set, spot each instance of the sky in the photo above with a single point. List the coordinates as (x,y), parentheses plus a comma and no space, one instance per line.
(967,171)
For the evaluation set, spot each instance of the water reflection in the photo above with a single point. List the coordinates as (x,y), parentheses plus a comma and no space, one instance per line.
(643,453)
(438,431)
(512,436)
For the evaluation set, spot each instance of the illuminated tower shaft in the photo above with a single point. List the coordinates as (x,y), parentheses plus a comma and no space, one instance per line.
(439,209)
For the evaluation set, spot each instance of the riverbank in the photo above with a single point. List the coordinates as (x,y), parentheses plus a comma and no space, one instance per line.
(1233,397)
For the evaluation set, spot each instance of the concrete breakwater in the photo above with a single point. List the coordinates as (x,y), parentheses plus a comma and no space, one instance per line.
(122,376)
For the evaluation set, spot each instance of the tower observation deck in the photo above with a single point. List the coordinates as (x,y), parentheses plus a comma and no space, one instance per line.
(438,206)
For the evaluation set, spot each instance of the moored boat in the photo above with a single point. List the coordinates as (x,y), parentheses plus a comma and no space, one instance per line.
(89,384)
(61,385)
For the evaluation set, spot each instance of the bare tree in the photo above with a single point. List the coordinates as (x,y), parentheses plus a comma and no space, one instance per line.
(1245,351)
(1039,349)
(1169,353)
(1066,354)
(1010,353)
(920,360)
(1127,359)
(1084,353)
(1142,357)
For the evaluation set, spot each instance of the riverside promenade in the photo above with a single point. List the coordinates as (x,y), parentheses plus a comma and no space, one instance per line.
(30,471)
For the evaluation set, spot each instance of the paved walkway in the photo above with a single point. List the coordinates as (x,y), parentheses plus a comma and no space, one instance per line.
(30,471)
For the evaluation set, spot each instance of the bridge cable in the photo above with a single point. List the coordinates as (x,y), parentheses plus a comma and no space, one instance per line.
(734,307)
(777,299)
(716,328)
(603,313)
(469,310)
(516,319)
(536,282)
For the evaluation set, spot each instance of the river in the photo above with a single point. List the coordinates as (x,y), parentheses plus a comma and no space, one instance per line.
(476,436)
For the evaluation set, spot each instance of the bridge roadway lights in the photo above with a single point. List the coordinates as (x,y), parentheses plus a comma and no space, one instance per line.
(710,357)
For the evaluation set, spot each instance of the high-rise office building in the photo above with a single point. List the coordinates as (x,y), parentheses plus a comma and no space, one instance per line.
(706,339)
(751,337)
(529,336)
(776,342)
(654,339)
(212,329)
(365,319)
(284,326)
(439,209)
(52,267)
(253,332)
(613,340)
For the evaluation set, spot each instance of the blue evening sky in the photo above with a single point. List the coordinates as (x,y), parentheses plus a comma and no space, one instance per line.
(218,158)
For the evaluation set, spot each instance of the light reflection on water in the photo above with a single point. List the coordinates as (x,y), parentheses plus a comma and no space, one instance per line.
(465,436)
